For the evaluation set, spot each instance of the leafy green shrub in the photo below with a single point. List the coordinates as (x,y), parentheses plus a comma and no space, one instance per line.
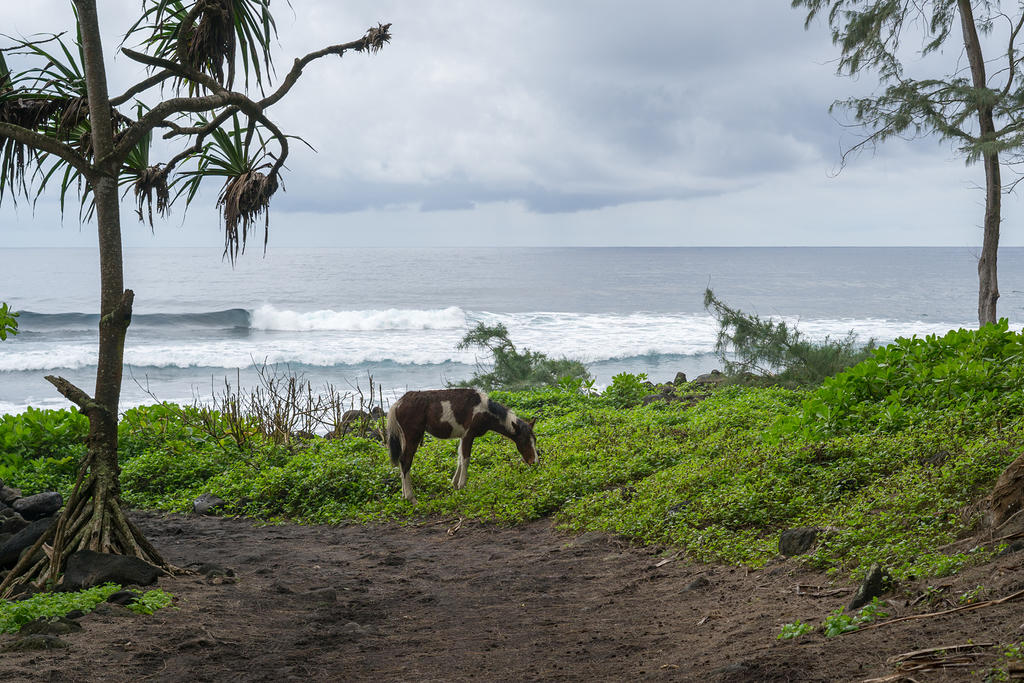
(170,476)
(151,426)
(8,321)
(516,370)
(774,353)
(39,433)
(54,437)
(973,375)
(44,474)
(627,390)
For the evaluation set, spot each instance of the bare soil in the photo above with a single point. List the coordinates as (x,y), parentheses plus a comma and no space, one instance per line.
(441,600)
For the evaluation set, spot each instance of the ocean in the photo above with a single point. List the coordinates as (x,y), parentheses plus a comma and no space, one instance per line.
(339,316)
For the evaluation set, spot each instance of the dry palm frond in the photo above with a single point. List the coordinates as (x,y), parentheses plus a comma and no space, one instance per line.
(221,31)
(243,198)
(29,112)
(73,111)
(211,41)
(377,37)
(32,113)
(152,180)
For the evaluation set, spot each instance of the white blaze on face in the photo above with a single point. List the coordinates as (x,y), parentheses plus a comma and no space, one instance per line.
(448,416)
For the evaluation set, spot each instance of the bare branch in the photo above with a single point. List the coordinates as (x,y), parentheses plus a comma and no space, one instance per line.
(282,140)
(72,393)
(1010,55)
(180,70)
(373,41)
(46,144)
(141,86)
(200,132)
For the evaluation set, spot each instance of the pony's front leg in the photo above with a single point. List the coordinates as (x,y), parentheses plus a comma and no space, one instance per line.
(462,471)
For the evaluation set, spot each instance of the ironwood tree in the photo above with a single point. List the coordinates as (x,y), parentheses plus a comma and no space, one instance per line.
(60,125)
(977,105)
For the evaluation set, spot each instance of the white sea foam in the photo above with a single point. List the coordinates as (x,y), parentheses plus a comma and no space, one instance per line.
(410,337)
(268,317)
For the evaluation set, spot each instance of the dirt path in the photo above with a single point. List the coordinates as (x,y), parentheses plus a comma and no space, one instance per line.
(391,603)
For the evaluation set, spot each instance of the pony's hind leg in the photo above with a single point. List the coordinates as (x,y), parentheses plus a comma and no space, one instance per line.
(406,465)
(407,491)
(462,471)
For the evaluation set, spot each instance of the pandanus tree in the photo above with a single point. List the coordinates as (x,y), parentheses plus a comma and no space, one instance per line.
(60,125)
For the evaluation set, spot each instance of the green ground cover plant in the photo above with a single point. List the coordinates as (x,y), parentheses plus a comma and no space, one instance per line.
(16,613)
(720,479)
(974,376)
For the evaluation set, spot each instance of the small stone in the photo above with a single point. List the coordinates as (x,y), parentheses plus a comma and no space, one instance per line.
(8,495)
(713,378)
(25,538)
(106,609)
(88,568)
(797,541)
(1014,547)
(11,522)
(123,597)
(207,503)
(38,506)
(874,584)
(680,378)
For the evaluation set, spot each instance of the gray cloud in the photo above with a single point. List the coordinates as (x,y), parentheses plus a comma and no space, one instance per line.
(573,112)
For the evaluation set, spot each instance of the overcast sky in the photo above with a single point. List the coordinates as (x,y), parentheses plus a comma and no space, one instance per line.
(538,123)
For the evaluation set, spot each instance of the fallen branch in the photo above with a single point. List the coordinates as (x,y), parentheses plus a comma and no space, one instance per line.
(949,649)
(931,659)
(965,608)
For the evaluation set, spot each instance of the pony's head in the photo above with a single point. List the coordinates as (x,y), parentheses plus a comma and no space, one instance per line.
(526,441)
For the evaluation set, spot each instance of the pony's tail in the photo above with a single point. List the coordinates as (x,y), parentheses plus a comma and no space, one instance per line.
(396,437)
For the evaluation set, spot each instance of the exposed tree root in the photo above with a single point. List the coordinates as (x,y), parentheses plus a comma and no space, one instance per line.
(92,519)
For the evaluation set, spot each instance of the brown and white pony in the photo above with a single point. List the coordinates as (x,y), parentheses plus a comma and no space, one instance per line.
(461,414)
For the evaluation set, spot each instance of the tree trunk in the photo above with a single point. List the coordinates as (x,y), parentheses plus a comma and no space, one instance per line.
(92,518)
(988,287)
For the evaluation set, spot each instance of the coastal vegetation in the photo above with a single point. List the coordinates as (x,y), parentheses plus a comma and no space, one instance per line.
(8,321)
(61,120)
(514,370)
(891,460)
(773,352)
